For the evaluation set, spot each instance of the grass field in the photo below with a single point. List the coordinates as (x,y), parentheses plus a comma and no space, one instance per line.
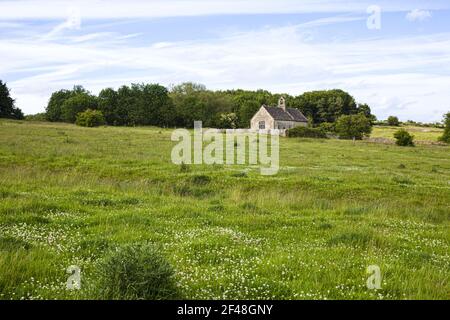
(70,194)
(421,134)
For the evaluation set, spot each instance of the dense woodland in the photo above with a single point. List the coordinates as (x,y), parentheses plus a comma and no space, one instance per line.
(179,106)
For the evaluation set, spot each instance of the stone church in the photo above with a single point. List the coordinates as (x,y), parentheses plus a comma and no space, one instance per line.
(278,117)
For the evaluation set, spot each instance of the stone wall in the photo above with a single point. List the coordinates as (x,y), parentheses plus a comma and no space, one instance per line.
(262,115)
(289,124)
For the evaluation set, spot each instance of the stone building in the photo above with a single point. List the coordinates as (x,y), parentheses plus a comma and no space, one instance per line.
(277,117)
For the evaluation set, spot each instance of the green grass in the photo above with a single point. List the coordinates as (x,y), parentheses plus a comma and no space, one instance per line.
(68,195)
(421,134)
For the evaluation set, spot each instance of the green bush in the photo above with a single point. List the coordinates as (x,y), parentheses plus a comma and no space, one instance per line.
(328,127)
(306,132)
(403,138)
(90,118)
(228,121)
(393,121)
(446,136)
(201,179)
(36,117)
(136,272)
(353,127)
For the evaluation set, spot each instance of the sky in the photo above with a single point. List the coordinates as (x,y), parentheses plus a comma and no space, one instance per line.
(393,55)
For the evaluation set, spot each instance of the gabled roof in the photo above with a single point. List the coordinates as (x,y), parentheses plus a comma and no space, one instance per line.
(291,114)
(297,115)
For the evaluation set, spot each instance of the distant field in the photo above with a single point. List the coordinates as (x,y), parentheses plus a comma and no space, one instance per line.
(419,133)
(70,194)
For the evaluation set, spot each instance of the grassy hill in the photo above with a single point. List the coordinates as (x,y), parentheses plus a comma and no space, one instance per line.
(70,194)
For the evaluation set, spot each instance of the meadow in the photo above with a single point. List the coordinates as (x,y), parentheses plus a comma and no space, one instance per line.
(422,135)
(69,194)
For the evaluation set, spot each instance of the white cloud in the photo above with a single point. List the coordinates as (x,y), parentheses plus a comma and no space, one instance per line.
(405,76)
(116,9)
(10,25)
(418,15)
(73,22)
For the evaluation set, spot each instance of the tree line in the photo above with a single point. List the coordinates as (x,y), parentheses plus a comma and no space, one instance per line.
(181,105)
(329,111)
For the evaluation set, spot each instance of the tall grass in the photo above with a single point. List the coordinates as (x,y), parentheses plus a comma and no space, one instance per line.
(69,195)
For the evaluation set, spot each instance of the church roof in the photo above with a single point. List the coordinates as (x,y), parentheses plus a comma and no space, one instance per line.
(291,114)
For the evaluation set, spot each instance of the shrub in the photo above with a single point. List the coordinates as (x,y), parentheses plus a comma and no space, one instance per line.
(90,118)
(328,127)
(136,272)
(393,121)
(403,138)
(36,117)
(228,120)
(353,126)
(306,132)
(201,180)
(446,136)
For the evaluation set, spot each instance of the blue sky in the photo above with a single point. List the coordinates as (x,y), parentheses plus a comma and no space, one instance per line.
(400,67)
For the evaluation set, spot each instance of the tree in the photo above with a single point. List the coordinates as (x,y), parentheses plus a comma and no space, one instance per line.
(246,103)
(326,105)
(57,99)
(125,101)
(228,121)
(353,126)
(7,108)
(404,138)
(446,136)
(53,110)
(367,112)
(108,105)
(76,104)
(188,103)
(90,118)
(151,105)
(246,111)
(393,121)
(139,104)
(193,102)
